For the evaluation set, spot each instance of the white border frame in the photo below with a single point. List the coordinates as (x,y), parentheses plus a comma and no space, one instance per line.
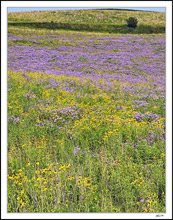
(106,4)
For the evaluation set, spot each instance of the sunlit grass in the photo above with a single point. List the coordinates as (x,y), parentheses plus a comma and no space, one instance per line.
(86,115)
(106,21)
(99,161)
(92,16)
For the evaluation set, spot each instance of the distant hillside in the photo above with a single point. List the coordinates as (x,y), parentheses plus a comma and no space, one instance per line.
(113,21)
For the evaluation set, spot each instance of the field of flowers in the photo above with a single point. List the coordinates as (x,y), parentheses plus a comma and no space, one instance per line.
(86,122)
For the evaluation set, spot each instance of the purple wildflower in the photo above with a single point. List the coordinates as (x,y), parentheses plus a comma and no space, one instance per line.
(74,152)
(141,200)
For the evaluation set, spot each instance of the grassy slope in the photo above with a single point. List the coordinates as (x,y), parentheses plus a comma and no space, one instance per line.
(113,21)
(46,173)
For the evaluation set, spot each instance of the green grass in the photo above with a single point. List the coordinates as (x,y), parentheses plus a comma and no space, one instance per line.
(101,160)
(85,165)
(113,21)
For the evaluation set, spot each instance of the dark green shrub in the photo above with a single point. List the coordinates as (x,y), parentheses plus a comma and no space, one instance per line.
(132,22)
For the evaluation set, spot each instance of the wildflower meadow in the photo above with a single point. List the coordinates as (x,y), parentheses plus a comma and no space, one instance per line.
(86,121)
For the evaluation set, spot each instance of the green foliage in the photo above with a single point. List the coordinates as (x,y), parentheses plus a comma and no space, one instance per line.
(111,21)
(132,22)
(96,157)
(86,165)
